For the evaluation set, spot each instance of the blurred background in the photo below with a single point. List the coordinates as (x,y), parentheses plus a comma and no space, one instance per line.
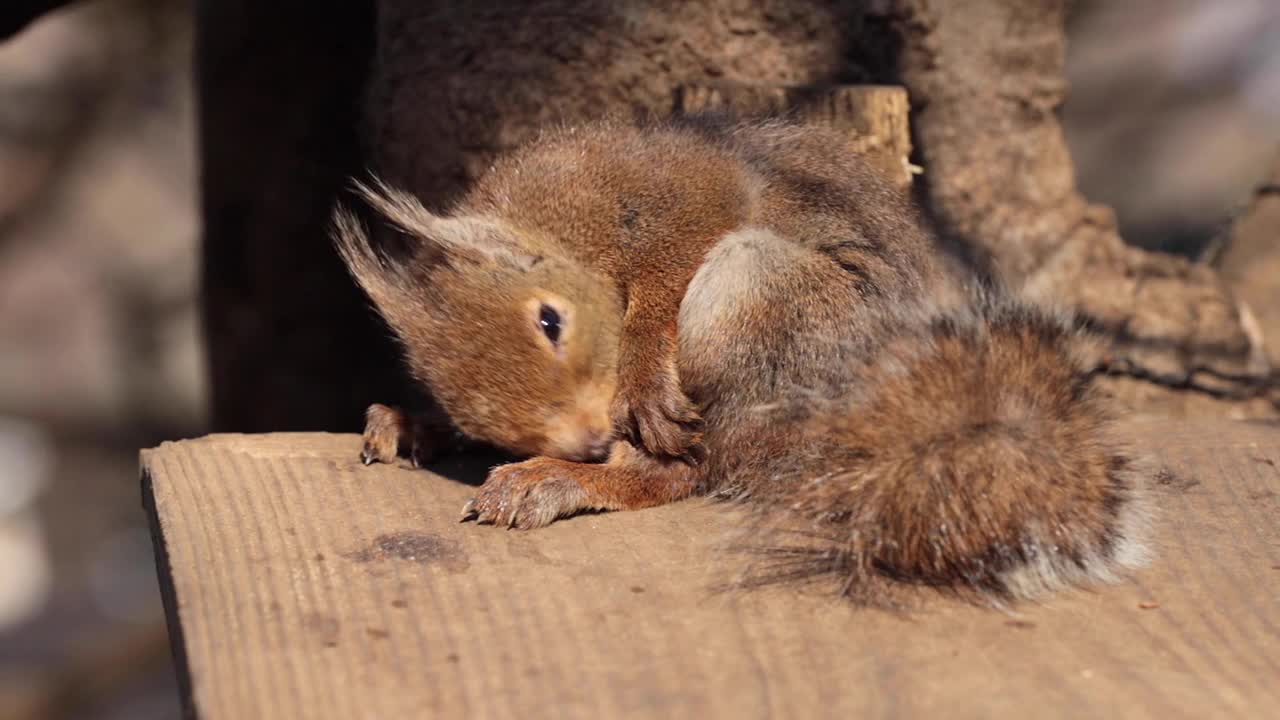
(1174,116)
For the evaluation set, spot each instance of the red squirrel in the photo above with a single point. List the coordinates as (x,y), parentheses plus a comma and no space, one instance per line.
(749,310)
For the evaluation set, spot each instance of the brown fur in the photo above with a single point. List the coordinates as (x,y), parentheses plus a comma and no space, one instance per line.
(390,432)
(884,421)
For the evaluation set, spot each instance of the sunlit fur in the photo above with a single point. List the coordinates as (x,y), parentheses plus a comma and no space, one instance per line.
(960,445)
(466,302)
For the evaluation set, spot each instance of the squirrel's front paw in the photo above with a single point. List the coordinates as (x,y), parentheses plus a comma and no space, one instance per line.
(658,417)
(527,494)
(389,432)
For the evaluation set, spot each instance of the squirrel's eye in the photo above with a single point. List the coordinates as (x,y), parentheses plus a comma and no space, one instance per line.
(549,319)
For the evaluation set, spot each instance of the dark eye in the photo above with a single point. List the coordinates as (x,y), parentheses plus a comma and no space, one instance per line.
(549,319)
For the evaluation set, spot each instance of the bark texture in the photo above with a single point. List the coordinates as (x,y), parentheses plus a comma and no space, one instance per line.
(986,80)
(428,93)
(456,83)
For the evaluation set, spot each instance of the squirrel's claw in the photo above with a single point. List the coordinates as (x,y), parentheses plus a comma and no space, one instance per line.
(662,421)
(695,455)
(382,431)
(526,495)
(663,435)
(390,433)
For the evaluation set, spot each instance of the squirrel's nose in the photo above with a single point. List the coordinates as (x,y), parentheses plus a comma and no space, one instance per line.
(578,438)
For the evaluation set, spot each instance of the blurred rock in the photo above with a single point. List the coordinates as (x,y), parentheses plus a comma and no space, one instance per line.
(97,218)
(100,338)
(26,573)
(1173,112)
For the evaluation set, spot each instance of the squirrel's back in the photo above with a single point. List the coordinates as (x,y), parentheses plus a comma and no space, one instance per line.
(622,192)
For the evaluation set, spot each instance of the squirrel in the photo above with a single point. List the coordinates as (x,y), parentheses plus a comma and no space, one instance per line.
(748,310)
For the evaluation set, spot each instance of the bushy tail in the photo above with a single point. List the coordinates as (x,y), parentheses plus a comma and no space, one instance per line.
(974,454)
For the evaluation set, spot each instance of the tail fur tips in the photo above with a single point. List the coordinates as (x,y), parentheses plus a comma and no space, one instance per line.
(976,456)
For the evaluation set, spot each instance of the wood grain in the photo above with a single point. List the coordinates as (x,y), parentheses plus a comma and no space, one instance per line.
(308,586)
(876,117)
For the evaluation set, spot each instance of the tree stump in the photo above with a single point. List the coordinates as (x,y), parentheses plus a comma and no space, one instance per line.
(986,78)
(1250,262)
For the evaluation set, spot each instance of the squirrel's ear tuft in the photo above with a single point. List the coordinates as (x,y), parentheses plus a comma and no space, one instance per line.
(474,239)
(401,208)
(381,277)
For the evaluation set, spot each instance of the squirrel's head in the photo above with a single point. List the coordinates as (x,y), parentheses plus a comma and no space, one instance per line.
(519,345)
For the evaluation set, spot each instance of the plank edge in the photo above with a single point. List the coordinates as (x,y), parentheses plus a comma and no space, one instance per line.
(168,591)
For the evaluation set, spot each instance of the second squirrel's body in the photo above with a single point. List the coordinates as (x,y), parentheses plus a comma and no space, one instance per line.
(762,291)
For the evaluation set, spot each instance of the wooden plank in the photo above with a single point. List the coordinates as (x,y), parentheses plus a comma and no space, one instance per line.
(306,585)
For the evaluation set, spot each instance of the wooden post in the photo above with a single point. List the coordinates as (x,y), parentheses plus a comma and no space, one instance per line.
(292,342)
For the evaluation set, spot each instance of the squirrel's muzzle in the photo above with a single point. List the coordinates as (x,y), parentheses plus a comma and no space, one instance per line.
(580,444)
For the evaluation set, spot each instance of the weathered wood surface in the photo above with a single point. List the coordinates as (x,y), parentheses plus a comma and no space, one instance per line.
(308,586)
